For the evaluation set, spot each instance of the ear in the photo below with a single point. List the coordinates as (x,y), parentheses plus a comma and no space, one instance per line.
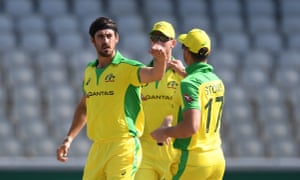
(117,37)
(174,42)
(92,40)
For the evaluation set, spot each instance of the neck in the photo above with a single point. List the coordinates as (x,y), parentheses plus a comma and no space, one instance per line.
(103,62)
(169,58)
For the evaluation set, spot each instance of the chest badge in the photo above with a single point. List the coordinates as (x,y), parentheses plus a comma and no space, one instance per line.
(110,78)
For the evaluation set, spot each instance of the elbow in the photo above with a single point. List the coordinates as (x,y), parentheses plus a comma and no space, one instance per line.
(189,132)
(186,134)
(158,77)
(194,129)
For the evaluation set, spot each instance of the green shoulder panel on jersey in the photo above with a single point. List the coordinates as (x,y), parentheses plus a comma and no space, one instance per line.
(123,60)
(132,62)
(92,63)
(119,58)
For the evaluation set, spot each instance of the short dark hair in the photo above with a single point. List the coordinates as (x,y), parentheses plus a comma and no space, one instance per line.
(200,56)
(102,23)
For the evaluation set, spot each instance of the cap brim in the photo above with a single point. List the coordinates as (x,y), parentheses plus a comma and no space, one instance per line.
(182,38)
(159,31)
(155,30)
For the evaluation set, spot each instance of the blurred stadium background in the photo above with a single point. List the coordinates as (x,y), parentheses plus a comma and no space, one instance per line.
(44,47)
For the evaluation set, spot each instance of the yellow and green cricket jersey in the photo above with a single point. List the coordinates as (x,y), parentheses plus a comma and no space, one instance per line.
(113,99)
(157,100)
(202,90)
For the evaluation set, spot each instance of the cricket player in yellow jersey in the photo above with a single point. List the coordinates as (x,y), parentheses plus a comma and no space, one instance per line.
(157,98)
(111,106)
(197,131)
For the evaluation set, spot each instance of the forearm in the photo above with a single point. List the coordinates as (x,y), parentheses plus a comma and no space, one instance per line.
(155,73)
(178,131)
(181,72)
(79,121)
(158,70)
(178,67)
(187,127)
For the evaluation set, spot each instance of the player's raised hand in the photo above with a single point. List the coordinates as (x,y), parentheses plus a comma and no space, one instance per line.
(158,52)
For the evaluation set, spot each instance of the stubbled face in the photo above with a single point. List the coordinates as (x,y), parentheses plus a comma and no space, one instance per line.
(105,42)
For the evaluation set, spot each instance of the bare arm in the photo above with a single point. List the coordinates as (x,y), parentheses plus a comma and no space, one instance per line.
(177,66)
(149,74)
(184,129)
(79,121)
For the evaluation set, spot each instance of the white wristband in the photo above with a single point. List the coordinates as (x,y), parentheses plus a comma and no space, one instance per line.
(68,139)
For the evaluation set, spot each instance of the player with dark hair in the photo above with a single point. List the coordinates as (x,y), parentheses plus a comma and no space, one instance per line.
(111,106)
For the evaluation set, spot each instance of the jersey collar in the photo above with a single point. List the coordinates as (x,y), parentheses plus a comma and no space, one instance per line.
(117,58)
(199,67)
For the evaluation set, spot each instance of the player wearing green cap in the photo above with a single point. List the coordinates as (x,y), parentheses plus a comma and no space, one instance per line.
(157,98)
(197,131)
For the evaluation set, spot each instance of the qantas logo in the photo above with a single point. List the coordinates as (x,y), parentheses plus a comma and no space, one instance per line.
(156,97)
(100,93)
